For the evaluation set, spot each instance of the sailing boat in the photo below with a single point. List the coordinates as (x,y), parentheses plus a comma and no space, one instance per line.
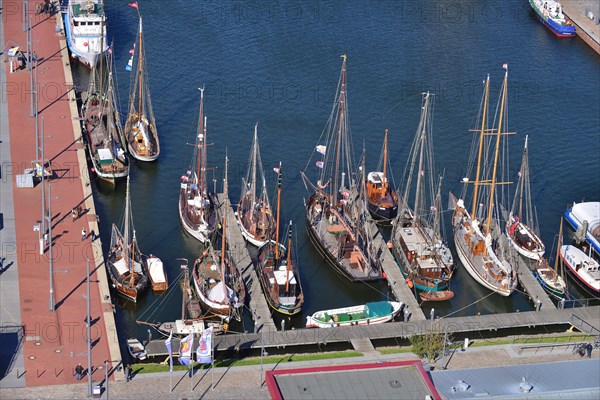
(217,281)
(196,205)
(480,253)
(381,196)
(254,214)
(183,326)
(521,225)
(336,216)
(125,258)
(140,127)
(102,127)
(417,243)
(277,273)
(548,277)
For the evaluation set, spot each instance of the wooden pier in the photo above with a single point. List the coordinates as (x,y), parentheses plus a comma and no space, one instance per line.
(528,282)
(237,248)
(395,279)
(456,325)
(585,15)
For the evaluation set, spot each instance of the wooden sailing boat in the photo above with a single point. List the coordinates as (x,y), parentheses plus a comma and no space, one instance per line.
(521,223)
(183,326)
(140,127)
(102,127)
(218,284)
(482,255)
(417,243)
(277,272)
(548,277)
(125,258)
(196,204)
(381,196)
(336,216)
(254,214)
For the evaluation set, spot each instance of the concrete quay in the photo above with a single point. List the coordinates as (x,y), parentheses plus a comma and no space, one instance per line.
(46,345)
(261,314)
(585,15)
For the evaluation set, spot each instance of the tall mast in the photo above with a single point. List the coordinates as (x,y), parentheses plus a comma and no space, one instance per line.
(559,244)
(341,123)
(224,234)
(278,212)
(185,280)
(253,185)
(130,263)
(140,73)
(524,175)
(437,203)
(385,139)
(288,264)
(482,133)
(201,142)
(420,171)
(494,171)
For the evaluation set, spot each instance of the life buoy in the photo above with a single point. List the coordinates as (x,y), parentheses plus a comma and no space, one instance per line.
(85,44)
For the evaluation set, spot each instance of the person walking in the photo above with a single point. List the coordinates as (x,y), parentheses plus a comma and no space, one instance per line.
(128,372)
(83,234)
(78,372)
(74,214)
(93,235)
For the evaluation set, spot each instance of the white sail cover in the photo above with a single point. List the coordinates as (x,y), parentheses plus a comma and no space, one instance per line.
(217,293)
(121,266)
(157,272)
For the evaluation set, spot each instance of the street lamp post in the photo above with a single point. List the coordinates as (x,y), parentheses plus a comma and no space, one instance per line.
(89,330)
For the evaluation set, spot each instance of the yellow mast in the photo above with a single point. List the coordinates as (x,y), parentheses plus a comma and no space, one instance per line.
(498,135)
(483,118)
(278,213)
(385,138)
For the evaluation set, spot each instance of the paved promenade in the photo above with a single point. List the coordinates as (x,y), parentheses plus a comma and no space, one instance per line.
(51,343)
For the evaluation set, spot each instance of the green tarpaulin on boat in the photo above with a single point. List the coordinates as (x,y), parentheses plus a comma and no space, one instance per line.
(377,309)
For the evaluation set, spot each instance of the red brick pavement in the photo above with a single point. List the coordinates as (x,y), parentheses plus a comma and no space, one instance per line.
(56,341)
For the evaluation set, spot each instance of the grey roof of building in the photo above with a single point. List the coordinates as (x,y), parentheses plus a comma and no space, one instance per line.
(398,382)
(579,379)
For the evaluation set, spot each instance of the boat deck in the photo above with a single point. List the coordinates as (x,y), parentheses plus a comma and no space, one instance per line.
(457,325)
(394,277)
(587,29)
(237,247)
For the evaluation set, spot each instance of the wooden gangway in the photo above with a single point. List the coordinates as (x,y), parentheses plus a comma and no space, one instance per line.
(395,279)
(238,251)
(455,325)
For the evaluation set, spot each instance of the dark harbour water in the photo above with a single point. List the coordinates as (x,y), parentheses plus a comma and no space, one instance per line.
(278,63)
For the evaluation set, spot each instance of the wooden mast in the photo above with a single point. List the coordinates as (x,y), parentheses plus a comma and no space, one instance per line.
(559,245)
(140,73)
(524,166)
(201,144)
(253,185)
(126,245)
(278,213)
(495,168)
(482,133)
(224,233)
(341,122)
(288,264)
(385,139)
(420,171)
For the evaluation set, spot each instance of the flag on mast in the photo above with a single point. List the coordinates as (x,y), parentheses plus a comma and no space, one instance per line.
(168,344)
(204,352)
(185,349)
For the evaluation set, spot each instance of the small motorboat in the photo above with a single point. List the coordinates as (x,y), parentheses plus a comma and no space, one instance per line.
(440,295)
(136,349)
(371,313)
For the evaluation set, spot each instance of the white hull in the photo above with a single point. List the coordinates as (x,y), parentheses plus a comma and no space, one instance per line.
(247,235)
(535,253)
(202,233)
(590,212)
(475,275)
(86,42)
(313,322)
(142,158)
(585,268)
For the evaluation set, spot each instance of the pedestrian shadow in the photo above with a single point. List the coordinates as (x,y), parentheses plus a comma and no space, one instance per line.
(4,268)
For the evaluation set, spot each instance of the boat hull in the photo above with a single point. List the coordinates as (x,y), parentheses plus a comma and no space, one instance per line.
(573,258)
(133,127)
(385,213)
(443,295)
(82,53)
(590,212)
(202,232)
(314,322)
(549,288)
(561,30)
(537,250)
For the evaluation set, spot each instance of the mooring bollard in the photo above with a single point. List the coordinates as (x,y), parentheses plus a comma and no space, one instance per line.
(538,305)
(432,313)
